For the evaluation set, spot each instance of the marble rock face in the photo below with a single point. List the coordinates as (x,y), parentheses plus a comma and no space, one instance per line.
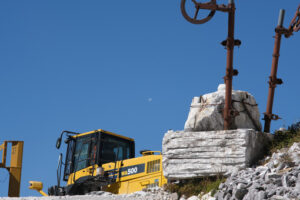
(206,112)
(208,153)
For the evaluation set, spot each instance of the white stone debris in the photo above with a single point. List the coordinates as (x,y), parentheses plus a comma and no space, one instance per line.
(278,178)
(207,153)
(149,194)
(206,112)
(193,198)
(207,196)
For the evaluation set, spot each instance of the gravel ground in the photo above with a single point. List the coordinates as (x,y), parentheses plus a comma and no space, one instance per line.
(153,194)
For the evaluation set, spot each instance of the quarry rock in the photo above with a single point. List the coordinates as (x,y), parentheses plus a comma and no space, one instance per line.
(206,112)
(266,181)
(193,198)
(207,196)
(207,153)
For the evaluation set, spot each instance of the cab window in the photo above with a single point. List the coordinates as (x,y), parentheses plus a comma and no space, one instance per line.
(115,149)
(85,152)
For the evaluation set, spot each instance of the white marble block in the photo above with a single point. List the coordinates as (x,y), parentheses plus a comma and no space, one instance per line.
(206,112)
(207,153)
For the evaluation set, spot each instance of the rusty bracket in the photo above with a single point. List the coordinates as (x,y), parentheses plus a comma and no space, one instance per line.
(236,43)
(273,82)
(271,117)
(283,31)
(234,72)
(233,113)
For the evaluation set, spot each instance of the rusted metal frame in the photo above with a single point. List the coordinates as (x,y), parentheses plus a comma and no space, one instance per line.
(228,112)
(295,23)
(210,6)
(194,20)
(273,80)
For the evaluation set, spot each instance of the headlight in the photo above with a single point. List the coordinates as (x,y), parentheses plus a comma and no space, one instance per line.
(100,171)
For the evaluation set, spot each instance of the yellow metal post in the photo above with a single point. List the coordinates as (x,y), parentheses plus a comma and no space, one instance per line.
(15,167)
(3,147)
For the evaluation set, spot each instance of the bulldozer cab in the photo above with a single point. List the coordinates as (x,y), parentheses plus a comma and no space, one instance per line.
(102,160)
(95,148)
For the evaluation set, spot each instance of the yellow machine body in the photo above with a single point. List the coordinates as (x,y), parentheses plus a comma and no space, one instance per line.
(134,174)
(131,175)
(102,160)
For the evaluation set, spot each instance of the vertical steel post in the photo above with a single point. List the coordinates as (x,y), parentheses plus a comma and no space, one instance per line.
(273,77)
(229,67)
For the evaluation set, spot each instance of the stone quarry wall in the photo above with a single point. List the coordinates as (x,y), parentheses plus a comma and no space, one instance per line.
(195,154)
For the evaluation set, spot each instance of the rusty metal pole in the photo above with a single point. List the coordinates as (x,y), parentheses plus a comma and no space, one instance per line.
(273,80)
(229,43)
(229,67)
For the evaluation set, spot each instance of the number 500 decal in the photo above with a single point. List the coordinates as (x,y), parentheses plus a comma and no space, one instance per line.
(132,170)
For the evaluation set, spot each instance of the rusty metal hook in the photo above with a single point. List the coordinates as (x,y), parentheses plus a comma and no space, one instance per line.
(198,6)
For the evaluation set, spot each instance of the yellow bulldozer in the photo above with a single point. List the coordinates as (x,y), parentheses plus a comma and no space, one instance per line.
(104,161)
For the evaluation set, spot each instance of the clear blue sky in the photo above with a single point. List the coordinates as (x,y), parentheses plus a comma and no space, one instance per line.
(130,67)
